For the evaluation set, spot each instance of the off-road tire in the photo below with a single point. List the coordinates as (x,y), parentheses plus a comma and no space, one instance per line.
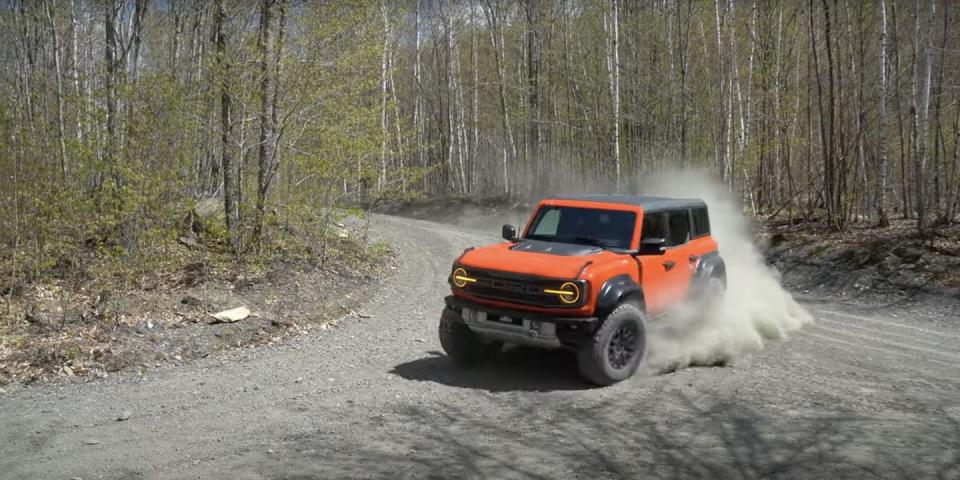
(463,346)
(594,356)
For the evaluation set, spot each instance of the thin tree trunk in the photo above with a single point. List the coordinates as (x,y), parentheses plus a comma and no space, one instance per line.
(75,68)
(264,141)
(921,118)
(953,193)
(683,31)
(725,164)
(397,127)
(112,64)
(139,12)
(824,146)
(418,98)
(831,192)
(463,146)
(58,72)
(226,124)
(275,101)
(496,39)
(863,184)
(534,133)
(881,196)
(904,150)
(17,162)
(177,9)
(938,144)
(614,69)
(382,178)
(475,110)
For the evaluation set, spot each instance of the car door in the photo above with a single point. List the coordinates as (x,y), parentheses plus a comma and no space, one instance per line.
(678,262)
(656,270)
(665,278)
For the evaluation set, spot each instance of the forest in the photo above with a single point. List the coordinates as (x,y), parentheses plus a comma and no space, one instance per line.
(120,117)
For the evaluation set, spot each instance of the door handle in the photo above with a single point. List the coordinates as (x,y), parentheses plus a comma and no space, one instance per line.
(669,264)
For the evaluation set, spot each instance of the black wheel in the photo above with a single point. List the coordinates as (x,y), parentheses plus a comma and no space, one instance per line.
(617,348)
(463,346)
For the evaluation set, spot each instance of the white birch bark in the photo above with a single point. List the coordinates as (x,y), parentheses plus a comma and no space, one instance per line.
(614,66)
(75,67)
(881,198)
(475,110)
(496,39)
(921,160)
(724,148)
(382,178)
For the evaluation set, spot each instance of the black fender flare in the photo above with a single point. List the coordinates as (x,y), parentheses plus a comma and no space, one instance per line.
(710,265)
(614,291)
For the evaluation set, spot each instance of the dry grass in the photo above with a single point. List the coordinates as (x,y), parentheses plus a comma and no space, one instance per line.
(97,314)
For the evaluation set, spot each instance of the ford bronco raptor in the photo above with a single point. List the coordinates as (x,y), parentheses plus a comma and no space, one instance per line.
(585,275)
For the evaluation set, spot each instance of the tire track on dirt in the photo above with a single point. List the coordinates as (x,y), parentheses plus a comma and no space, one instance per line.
(944,333)
(887,352)
(899,335)
(873,337)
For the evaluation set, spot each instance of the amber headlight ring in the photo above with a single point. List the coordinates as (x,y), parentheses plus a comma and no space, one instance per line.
(569,293)
(460,277)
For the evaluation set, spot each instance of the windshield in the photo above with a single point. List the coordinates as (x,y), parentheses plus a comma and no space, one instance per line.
(583,226)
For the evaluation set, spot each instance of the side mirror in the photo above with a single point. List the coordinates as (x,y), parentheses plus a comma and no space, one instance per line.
(653,246)
(509,233)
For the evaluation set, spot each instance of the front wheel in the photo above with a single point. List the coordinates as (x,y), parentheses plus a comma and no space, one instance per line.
(617,348)
(463,346)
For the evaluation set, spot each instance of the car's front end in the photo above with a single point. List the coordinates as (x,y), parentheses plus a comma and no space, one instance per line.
(519,308)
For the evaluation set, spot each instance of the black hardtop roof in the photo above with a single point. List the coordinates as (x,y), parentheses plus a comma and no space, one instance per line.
(647,203)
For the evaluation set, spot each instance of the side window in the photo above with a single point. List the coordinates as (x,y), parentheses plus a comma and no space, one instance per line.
(654,226)
(701,222)
(679,228)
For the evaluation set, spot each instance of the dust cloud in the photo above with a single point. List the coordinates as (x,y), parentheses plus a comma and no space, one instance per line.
(755,309)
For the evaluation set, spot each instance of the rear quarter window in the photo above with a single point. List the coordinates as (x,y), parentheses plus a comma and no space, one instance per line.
(701,222)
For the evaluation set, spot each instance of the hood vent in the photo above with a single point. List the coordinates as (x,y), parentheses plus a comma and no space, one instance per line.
(555,248)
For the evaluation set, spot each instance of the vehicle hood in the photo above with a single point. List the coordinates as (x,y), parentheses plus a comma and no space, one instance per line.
(530,257)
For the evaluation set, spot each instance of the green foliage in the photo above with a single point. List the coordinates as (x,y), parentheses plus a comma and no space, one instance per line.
(118,206)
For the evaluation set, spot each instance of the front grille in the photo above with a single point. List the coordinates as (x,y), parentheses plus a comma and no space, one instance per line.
(516,288)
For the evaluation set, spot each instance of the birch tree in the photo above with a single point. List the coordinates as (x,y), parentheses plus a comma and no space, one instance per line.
(881,175)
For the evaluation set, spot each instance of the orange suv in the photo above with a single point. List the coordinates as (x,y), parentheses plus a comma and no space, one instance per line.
(586,274)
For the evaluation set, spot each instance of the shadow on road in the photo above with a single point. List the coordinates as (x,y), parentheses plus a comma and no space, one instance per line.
(514,369)
(678,435)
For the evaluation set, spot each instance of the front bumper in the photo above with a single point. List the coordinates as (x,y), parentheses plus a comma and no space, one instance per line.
(522,327)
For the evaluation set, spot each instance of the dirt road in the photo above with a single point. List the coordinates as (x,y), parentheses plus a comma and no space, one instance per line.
(863,393)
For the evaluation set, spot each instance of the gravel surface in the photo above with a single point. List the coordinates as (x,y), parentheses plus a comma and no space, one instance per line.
(866,392)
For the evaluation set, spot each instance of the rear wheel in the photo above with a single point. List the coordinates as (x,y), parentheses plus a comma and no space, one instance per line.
(463,346)
(617,348)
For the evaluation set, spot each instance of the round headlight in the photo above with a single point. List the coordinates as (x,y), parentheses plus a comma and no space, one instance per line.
(460,278)
(569,293)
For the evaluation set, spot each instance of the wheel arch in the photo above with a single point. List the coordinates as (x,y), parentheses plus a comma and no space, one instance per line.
(710,265)
(617,290)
